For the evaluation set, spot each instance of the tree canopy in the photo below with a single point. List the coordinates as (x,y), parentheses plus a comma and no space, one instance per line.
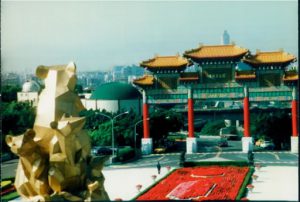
(212,127)
(9,92)
(162,122)
(99,127)
(78,88)
(16,119)
(275,125)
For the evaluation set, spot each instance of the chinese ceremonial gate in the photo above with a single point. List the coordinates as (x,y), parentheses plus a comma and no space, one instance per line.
(221,73)
(244,94)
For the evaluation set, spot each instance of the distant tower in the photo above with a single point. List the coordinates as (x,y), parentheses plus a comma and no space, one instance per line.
(225,38)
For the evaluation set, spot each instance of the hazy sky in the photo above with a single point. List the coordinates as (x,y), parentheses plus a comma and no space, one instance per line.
(97,35)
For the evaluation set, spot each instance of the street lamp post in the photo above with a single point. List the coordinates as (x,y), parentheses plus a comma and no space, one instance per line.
(135,133)
(112,129)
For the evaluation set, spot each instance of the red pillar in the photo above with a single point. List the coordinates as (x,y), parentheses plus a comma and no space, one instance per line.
(246,115)
(294,118)
(146,121)
(190,114)
(145,117)
(294,115)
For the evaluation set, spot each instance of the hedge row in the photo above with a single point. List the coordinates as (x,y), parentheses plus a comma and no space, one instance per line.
(125,154)
(247,180)
(10,196)
(215,163)
(8,190)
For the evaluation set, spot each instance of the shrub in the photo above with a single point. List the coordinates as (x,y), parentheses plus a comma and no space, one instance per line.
(125,154)
(215,163)
(10,196)
(212,128)
(247,179)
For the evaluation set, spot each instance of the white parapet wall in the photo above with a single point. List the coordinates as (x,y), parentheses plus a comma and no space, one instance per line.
(247,144)
(191,145)
(294,144)
(147,146)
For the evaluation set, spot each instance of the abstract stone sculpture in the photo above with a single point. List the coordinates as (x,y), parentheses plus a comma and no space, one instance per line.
(55,162)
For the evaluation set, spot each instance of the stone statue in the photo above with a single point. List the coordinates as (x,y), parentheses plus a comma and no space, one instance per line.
(55,162)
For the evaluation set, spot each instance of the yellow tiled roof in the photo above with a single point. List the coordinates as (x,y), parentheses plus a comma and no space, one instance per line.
(245,75)
(290,76)
(217,51)
(165,62)
(146,80)
(270,57)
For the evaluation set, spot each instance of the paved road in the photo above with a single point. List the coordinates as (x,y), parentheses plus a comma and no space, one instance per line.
(264,158)
(8,168)
(172,159)
(207,150)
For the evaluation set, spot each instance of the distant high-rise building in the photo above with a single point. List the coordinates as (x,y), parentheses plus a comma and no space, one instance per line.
(108,77)
(122,73)
(11,79)
(225,38)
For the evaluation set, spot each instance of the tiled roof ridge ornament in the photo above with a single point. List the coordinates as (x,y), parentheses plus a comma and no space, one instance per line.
(216,51)
(270,57)
(165,62)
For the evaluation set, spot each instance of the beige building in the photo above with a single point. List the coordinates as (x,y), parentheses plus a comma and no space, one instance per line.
(29,93)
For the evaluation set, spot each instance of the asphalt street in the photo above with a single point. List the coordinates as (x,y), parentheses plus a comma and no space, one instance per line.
(206,150)
(274,158)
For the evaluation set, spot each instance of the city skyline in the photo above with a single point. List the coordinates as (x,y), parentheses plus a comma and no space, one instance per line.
(98,35)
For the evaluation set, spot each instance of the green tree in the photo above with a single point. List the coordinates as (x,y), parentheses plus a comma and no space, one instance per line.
(93,118)
(212,127)
(78,88)
(9,92)
(275,125)
(102,135)
(99,127)
(124,129)
(162,122)
(16,119)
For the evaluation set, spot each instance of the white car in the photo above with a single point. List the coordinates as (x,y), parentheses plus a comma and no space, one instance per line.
(267,145)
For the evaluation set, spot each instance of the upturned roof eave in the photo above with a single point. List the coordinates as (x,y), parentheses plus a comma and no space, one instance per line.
(193,57)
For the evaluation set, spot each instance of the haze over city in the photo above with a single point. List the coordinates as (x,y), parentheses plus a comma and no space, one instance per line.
(98,35)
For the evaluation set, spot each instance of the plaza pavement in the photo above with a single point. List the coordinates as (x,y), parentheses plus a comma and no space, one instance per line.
(121,183)
(276,183)
(273,183)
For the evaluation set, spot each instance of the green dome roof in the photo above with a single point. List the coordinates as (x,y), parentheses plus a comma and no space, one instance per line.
(115,91)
